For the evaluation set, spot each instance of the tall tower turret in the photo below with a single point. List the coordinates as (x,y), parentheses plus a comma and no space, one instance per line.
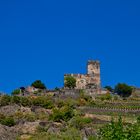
(93,69)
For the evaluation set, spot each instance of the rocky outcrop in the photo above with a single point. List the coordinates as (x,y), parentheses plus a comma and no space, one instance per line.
(27,127)
(9,110)
(7,133)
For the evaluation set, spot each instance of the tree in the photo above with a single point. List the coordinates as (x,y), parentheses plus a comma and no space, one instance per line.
(123,90)
(16,92)
(38,84)
(70,82)
(109,88)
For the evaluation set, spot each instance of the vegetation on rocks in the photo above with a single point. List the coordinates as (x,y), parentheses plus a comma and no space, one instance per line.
(55,117)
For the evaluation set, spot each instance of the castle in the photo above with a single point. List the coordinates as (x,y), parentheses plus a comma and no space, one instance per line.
(91,80)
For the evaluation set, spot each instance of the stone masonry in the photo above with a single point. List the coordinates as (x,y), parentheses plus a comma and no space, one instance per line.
(91,80)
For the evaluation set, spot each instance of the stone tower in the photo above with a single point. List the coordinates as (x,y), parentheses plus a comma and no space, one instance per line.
(93,70)
(91,80)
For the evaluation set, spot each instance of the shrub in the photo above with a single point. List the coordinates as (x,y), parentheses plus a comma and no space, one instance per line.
(138,120)
(109,88)
(2,117)
(105,97)
(16,99)
(60,103)
(43,102)
(116,131)
(38,84)
(112,131)
(79,122)
(5,100)
(30,117)
(70,82)
(25,101)
(63,114)
(115,97)
(8,121)
(69,134)
(16,92)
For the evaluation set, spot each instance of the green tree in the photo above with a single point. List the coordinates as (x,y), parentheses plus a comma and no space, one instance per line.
(123,90)
(38,84)
(70,82)
(109,88)
(16,92)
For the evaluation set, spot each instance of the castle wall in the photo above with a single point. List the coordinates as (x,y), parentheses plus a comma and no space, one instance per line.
(91,80)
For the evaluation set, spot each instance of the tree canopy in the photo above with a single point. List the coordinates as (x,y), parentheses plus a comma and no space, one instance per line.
(123,90)
(38,84)
(70,82)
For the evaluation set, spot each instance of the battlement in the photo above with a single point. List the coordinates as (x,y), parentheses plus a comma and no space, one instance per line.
(93,62)
(92,77)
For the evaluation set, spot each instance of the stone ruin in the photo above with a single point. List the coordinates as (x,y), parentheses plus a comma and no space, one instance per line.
(90,81)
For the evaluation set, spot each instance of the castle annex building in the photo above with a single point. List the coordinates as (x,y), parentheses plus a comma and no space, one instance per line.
(91,80)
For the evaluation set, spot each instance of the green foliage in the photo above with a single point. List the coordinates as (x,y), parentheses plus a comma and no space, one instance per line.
(38,84)
(16,92)
(16,99)
(43,102)
(79,122)
(109,88)
(63,114)
(116,131)
(105,97)
(30,117)
(84,99)
(115,97)
(123,90)
(138,120)
(87,98)
(69,134)
(57,89)
(70,82)
(8,121)
(25,101)
(5,100)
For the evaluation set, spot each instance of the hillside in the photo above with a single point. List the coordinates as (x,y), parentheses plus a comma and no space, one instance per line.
(69,118)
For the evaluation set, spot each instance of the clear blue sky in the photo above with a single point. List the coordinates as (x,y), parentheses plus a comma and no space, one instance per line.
(46,38)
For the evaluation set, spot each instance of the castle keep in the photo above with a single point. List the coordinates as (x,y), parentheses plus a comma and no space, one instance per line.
(91,80)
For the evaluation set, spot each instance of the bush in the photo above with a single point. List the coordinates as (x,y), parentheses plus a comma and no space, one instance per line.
(5,100)
(79,122)
(63,114)
(8,121)
(106,97)
(16,92)
(16,99)
(25,101)
(70,82)
(30,117)
(69,134)
(109,88)
(43,102)
(116,131)
(38,84)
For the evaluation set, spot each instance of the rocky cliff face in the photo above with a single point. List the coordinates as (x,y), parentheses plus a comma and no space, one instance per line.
(7,133)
